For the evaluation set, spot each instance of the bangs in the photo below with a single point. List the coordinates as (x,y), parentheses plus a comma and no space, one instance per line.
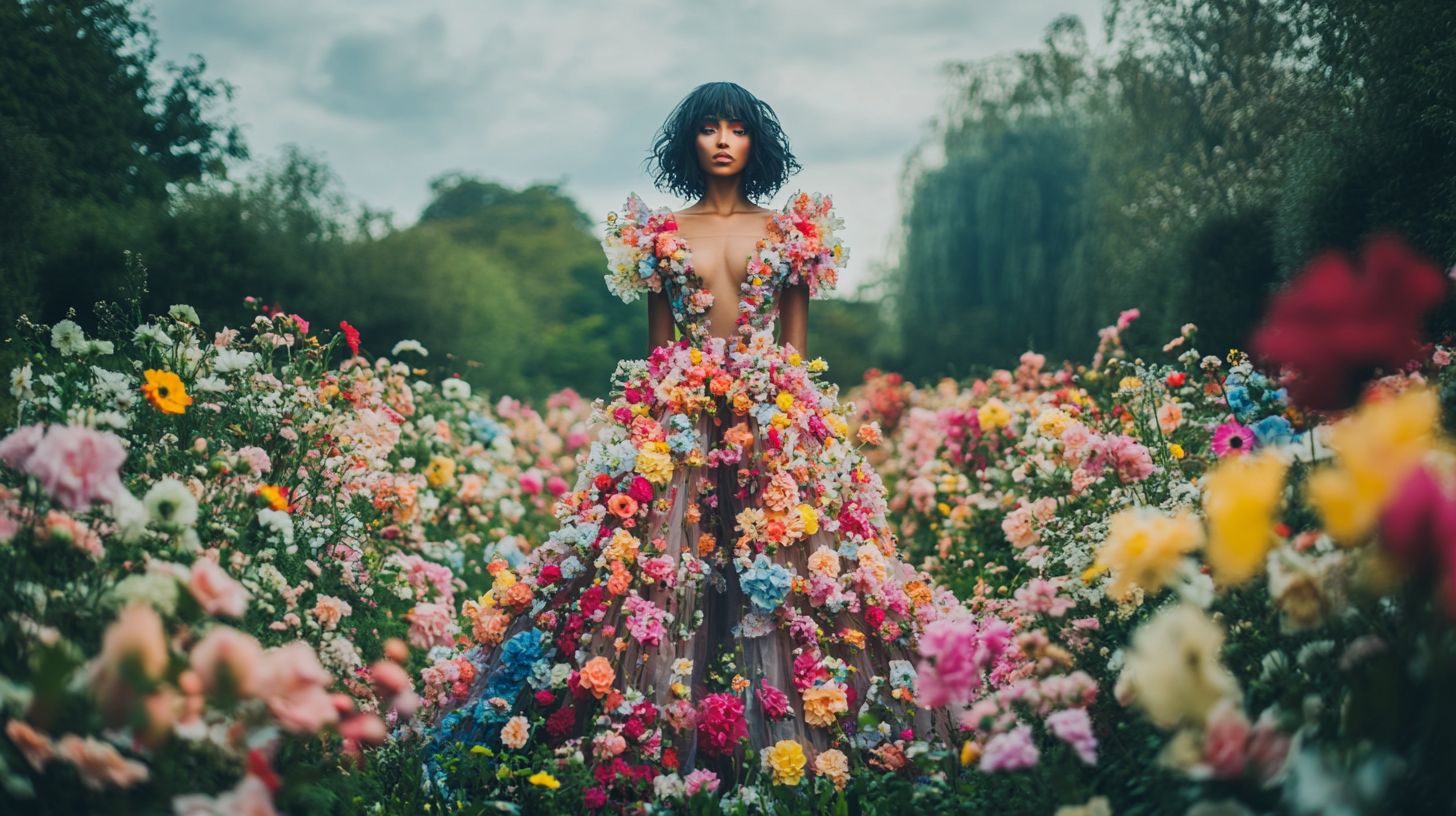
(674,152)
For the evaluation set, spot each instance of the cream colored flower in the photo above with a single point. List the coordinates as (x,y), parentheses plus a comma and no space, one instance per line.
(1173,669)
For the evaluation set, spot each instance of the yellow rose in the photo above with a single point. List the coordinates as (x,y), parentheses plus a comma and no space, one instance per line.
(786,759)
(994,414)
(655,466)
(785,401)
(811,519)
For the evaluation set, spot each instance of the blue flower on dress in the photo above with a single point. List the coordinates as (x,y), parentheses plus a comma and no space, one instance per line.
(765,583)
(646,267)
(613,459)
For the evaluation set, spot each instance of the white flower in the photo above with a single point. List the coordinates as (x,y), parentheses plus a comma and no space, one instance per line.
(668,786)
(130,514)
(68,338)
(153,334)
(408,345)
(114,386)
(211,385)
(228,361)
(158,588)
(111,419)
(455,389)
(171,505)
(20,383)
(278,521)
(184,313)
(99,347)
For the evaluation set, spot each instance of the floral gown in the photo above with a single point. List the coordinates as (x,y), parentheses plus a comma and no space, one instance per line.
(723,576)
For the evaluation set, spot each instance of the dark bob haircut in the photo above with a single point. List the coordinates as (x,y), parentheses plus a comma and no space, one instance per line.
(674,152)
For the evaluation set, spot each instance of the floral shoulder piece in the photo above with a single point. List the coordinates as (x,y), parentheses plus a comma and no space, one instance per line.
(643,250)
(811,245)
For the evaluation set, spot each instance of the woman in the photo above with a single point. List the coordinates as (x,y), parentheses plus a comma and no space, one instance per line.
(723,578)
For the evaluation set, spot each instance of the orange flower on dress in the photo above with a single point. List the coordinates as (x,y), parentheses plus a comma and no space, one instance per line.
(622,506)
(706,545)
(597,676)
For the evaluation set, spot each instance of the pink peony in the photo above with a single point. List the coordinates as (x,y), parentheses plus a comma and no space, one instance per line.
(960,651)
(216,591)
(700,780)
(293,683)
(76,465)
(1010,751)
(19,445)
(1072,726)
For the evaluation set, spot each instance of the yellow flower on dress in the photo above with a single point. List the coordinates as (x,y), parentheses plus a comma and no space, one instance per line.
(811,519)
(821,703)
(994,414)
(833,765)
(696,355)
(1375,449)
(655,463)
(1240,498)
(785,401)
(165,391)
(1143,549)
(818,364)
(1051,423)
(786,759)
(544,780)
(837,425)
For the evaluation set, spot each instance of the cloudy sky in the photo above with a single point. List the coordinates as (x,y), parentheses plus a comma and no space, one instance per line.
(393,94)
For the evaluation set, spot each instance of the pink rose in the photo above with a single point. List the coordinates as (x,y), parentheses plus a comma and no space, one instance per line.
(293,683)
(227,660)
(251,797)
(556,486)
(216,591)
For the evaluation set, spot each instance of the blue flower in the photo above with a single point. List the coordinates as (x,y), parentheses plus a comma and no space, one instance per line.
(484,428)
(1238,399)
(646,267)
(765,583)
(1273,430)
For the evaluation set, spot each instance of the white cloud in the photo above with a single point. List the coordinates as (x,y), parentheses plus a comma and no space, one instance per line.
(393,94)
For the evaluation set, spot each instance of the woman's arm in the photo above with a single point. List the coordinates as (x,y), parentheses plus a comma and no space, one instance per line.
(659,321)
(794,317)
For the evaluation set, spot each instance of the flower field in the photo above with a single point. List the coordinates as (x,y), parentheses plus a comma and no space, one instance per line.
(247,567)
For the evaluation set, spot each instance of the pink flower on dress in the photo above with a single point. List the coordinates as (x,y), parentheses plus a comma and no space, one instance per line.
(774,702)
(217,592)
(700,780)
(1224,738)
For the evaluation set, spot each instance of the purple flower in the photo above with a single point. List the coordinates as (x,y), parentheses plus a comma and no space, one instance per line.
(1072,726)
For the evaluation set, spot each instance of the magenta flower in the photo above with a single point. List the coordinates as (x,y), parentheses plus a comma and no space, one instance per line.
(1010,751)
(1232,438)
(775,703)
(959,652)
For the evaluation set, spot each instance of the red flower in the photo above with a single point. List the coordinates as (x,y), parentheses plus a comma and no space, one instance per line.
(874,616)
(1335,325)
(1176,379)
(669,758)
(351,336)
(641,489)
(720,724)
(594,798)
(602,481)
(545,697)
(549,575)
(561,722)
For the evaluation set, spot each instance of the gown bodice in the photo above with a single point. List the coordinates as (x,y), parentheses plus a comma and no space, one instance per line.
(646,253)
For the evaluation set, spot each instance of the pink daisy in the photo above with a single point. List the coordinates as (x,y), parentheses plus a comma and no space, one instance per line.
(1232,438)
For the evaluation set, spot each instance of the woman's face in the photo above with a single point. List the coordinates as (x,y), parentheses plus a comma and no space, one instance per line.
(725,137)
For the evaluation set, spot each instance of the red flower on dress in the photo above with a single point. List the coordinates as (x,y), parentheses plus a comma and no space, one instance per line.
(1336,325)
(720,724)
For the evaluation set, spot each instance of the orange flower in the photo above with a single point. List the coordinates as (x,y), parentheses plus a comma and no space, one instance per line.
(618,583)
(597,676)
(706,544)
(165,391)
(622,506)
(274,495)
